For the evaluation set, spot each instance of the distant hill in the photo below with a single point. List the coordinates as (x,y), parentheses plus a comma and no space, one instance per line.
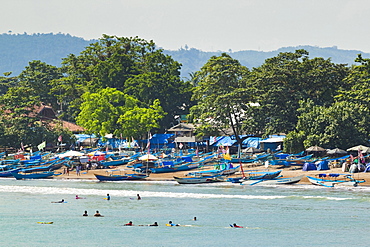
(16,50)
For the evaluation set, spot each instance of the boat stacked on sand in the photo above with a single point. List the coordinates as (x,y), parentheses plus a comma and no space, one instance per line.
(334,179)
(273,181)
(199,179)
(37,175)
(121,176)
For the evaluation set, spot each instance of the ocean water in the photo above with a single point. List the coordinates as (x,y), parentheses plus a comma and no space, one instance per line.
(296,215)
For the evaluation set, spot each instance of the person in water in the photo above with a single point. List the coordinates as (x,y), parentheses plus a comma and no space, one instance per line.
(108,197)
(77,197)
(154,224)
(97,214)
(85,214)
(59,201)
(172,224)
(129,224)
(138,197)
(195,219)
(236,226)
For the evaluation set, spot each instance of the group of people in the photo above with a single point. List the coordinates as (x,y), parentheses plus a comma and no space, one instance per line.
(97,214)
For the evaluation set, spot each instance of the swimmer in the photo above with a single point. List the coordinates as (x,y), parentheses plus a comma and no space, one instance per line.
(138,197)
(172,224)
(97,214)
(85,214)
(154,224)
(77,197)
(59,201)
(108,197)
(236,226)
(129,224)
(195,219)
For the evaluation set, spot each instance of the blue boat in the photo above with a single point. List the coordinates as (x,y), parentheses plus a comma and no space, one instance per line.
(38,175)
(6,171)
(256,175)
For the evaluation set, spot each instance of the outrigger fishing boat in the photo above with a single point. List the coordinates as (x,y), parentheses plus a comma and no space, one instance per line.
(112,176)
(332,179)
(273,181)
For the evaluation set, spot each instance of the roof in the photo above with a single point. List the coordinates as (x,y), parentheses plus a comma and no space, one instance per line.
(274,139)
(182,127)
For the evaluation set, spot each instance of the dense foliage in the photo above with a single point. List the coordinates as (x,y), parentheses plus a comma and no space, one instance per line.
(127,87)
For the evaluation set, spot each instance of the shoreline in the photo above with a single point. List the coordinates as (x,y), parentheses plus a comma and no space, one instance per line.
(286,172)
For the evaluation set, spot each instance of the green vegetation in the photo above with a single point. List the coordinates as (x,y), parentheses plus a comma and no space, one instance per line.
(127,87)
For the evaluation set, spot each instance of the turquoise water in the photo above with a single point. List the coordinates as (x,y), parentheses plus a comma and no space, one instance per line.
(298,215)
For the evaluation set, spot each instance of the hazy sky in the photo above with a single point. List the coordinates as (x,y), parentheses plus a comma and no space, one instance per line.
(209,25)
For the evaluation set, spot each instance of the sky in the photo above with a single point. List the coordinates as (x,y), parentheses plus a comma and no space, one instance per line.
(208,25)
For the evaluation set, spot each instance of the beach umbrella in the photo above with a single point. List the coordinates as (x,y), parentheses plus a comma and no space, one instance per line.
(70,153)
(363,148)
(148,157)
(336,151)
(315,149)
(252,150)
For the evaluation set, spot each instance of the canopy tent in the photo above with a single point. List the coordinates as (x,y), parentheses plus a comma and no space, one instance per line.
(323,165)
(309,167)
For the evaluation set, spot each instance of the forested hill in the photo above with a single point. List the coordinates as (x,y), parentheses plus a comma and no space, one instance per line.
(16,50)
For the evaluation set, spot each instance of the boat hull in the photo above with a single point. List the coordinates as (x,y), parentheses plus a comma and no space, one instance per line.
(120,177)
(20,176)
(197,180)
(275,181)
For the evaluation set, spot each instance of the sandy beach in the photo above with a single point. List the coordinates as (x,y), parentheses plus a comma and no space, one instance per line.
(287,172)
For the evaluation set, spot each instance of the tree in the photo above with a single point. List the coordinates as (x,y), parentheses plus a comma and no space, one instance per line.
(39,76)
(282,81)
(343,124)
(222,97)
(133,66)
(111,111)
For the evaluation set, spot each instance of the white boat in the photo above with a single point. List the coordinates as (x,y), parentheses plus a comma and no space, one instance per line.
(333,179)
(274,181)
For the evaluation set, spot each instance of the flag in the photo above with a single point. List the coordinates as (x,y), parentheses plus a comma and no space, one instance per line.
(360,156)
(227,154)
(41,145)
(148,145)
(60,138)
(128,143)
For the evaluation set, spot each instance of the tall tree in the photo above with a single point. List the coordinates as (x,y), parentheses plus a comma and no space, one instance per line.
(39,76)
(222,98)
